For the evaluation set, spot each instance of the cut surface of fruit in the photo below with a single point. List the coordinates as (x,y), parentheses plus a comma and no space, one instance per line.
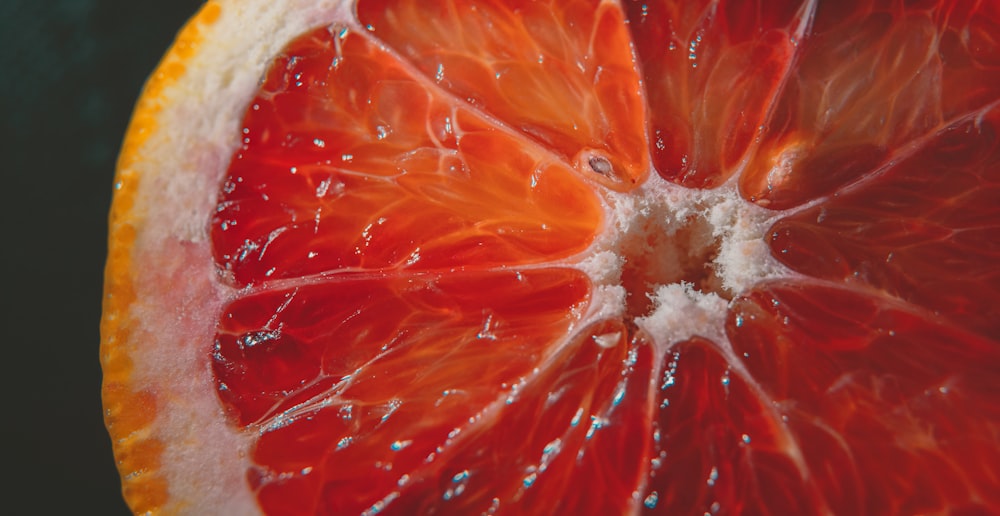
(561,256)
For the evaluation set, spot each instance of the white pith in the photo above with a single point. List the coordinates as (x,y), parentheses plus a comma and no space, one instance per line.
(172,206)
(178,184)
(717,224)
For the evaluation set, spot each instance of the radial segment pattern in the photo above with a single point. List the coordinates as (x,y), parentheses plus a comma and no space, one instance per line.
(403,221)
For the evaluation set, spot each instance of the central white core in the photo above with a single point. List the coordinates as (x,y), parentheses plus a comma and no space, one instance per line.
(670,258)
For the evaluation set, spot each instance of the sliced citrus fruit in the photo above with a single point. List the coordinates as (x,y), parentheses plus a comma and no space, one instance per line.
(596,257)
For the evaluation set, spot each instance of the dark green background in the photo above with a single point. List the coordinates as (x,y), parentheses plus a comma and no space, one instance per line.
(70,72)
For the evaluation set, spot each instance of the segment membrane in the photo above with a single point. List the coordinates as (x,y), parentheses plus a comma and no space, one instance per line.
(873,79)
(925,231)
(718,444)
(712,70)
(571,438)
(354,381)
(560,71)
(350,162)
(891,411)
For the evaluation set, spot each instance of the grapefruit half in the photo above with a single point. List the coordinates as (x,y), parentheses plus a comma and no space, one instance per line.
(561,257)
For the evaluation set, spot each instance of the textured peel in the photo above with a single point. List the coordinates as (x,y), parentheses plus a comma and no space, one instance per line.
(202,86)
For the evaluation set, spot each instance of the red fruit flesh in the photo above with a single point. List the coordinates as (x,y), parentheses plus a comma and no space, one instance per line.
(399,226)
(712,71)
(891,411)
(560,72)
(387,174)
(872,79)
(924,230)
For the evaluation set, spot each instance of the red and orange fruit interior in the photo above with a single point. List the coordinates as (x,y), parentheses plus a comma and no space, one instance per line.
(602,257)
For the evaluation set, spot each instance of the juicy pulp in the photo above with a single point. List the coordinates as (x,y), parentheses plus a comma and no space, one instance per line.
(722,259)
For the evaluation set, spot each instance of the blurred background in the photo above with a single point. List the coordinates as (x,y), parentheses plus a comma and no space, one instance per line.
(70,72)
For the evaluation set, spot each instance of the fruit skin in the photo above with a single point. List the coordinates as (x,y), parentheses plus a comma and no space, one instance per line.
(132,273)
(127,412)
(157,232)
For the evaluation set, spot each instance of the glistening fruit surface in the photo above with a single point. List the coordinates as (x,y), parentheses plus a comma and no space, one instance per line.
(598,257)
